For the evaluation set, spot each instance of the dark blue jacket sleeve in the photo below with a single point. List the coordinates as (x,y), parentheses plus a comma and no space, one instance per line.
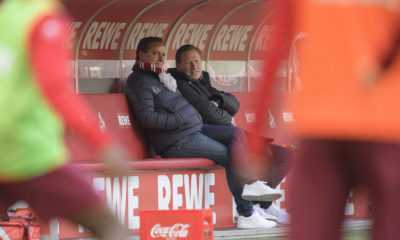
(141,100)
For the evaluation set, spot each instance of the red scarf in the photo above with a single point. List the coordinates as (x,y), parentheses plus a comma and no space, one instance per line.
(148,66)
(165,78)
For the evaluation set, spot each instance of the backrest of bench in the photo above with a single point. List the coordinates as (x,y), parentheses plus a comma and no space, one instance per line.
(277,118)
(112,113)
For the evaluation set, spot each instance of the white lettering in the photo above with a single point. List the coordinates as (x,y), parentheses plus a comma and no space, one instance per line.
(99,31)
(209,180)
(177,182)
(194,188)
(131,44)
(156,29)
(194,34)
(227,37)
(104,35)
(204,36)
(179,33)
(232,38)
(220,35)
(250,117)
(288,116)
(243,37)
(192,194)
(186,35)
(141,30)
(89,35)
(116,194)
(178,230)
(236,37)
(107,35)
(114,44)
(133,202)
(124,120)
(116,197)
(164,185)
(73,29)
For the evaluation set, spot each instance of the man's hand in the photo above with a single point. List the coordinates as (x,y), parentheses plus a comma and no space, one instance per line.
(214,102)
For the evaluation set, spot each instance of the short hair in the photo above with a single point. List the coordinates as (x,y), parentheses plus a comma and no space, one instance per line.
(144,44)
(183,49)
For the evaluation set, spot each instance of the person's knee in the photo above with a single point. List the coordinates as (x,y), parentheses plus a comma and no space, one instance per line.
(239,132)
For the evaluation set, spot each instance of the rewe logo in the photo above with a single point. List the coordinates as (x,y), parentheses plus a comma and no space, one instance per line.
(177,230)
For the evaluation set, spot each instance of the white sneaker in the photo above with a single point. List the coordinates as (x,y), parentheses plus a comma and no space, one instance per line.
(282,215)
(259,191)
(254,221)
(261,211)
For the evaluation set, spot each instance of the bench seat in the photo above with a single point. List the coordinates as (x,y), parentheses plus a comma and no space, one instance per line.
(154,164)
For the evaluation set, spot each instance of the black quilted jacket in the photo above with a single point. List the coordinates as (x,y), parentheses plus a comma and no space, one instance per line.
(200,93)
(164,115)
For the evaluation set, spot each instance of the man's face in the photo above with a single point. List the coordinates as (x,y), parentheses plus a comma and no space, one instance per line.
(155,55)
(190,64)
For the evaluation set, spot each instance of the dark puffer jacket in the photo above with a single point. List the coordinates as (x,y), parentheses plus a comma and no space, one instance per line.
(200,93)
(164,115)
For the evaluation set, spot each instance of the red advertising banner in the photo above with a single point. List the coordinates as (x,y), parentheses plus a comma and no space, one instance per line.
(176,224)
(104,33)
(198,26)
(180,190)
(233,37)
(157,21)
(80,12)
(109,29)
(161,190)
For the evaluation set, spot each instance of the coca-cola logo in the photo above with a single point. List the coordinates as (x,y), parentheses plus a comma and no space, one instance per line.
(177,230)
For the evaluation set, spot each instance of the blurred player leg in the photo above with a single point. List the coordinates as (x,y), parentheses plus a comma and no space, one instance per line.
(65,192)
(101,223)
(385,186)
(318,192)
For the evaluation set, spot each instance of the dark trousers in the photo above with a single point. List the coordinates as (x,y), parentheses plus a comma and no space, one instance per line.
(226,146)
(325,173)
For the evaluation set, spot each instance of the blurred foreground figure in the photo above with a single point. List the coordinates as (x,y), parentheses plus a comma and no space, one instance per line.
(35,103)
(346,113)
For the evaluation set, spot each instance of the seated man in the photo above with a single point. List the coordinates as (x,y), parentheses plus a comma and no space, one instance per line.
(176,130)
(218,108)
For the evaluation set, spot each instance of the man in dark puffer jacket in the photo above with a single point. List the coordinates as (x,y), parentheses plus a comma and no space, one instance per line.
(175,130)
(218,108)
(215,106)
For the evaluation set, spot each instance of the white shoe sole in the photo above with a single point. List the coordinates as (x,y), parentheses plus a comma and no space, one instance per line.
(252,227)
(264,197)
(272,224)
